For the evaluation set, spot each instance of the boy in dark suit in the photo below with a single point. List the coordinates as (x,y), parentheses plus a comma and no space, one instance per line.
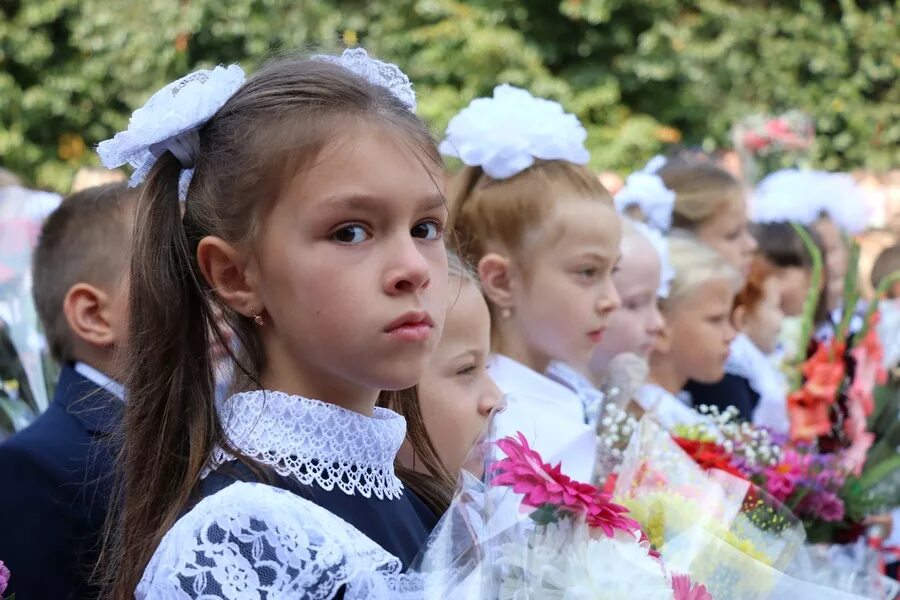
(56,475)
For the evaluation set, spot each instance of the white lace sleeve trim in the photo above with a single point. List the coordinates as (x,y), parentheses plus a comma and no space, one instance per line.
(254,541)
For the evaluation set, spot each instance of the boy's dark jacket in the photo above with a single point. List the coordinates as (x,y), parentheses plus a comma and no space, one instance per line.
(55,481)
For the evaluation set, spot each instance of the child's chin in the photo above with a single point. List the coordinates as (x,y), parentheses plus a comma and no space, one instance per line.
(711,378)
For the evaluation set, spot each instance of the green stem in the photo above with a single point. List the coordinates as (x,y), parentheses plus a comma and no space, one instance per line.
(809,305)
(850,296)
(880,293)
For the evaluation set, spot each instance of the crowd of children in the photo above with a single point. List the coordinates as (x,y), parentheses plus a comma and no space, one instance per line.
(376,318)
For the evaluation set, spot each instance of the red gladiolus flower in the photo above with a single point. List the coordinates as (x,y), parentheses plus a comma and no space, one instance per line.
(824,376)
(809,416)
(708,455)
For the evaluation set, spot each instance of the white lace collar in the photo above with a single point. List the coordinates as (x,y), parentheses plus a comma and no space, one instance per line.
(315,442)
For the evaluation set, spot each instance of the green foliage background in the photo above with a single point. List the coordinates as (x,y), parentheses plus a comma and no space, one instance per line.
(640,73)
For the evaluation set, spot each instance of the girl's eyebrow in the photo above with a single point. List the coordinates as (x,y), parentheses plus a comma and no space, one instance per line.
(362,201)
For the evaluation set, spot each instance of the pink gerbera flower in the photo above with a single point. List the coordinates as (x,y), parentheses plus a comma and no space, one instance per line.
(526,473)
(606,515)
(681,586)
(4,578)
(546,485)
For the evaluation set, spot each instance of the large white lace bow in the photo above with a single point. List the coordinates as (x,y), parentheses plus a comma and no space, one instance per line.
(315,442)
(802,196)
(170,121)
(646,190)
(377,72)
(252,541)
(172,117)
(506,133)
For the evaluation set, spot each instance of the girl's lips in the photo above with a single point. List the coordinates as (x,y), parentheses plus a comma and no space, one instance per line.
(411,332)
(596,336)
(413,326)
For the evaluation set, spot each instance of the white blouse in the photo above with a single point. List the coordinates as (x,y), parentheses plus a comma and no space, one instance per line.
(549,415)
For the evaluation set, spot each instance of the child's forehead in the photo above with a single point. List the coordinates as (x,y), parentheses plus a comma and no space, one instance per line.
(578,223)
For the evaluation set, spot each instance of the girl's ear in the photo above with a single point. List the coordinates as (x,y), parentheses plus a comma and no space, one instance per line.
(494,273)
(229,275)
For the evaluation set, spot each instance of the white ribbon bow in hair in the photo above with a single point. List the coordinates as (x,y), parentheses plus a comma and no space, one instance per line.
(377,72)
(646,190)
(506,133)
(802,196)
(172,117)
(169,121)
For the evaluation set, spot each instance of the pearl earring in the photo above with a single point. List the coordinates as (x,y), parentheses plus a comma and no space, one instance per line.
(505,313)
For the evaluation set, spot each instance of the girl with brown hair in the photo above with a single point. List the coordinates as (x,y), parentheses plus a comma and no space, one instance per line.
(312,218)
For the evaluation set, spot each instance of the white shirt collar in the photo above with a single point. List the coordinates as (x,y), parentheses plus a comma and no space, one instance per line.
(103,381)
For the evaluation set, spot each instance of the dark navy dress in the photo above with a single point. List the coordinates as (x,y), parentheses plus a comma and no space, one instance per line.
(401,525)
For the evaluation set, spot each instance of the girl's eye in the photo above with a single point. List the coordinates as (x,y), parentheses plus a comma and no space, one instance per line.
(468,369)
(588,273)
(351,234)
(428,230)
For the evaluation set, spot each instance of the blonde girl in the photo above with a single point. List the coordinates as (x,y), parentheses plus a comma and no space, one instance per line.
(544,238)
(694,344)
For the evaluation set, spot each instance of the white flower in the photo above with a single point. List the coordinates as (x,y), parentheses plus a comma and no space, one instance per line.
(506,133)
(170,120)
(562,561)
(613,569)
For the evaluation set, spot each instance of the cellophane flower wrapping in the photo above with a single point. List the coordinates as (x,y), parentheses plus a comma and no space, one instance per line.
(527,531)
(23,351)
(689,514)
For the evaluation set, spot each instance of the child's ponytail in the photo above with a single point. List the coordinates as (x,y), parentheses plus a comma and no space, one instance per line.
(169,414)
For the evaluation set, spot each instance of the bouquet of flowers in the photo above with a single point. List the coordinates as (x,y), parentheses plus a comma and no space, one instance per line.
(694,494)
(815,486)
(533,532)
(832,401)
(767,143)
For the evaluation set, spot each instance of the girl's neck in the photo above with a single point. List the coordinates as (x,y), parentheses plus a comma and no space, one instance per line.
(509,342)
(314,384)
(664,374)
